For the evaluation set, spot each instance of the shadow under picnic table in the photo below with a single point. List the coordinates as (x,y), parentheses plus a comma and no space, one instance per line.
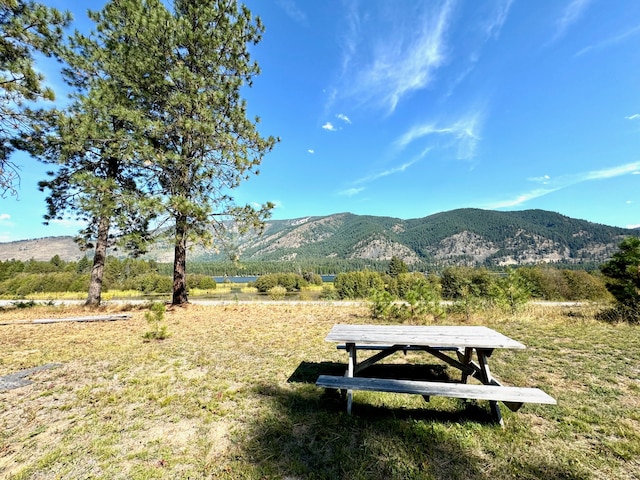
(308,372)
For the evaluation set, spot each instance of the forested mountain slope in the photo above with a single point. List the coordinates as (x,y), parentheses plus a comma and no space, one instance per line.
(465,236)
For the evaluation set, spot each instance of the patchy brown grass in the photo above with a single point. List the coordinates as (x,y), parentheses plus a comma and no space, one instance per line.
(231,394)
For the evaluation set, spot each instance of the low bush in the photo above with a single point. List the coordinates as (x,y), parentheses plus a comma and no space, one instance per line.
(291,282)
(352,285)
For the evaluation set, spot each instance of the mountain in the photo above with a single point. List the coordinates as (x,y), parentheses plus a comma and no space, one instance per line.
(464,236)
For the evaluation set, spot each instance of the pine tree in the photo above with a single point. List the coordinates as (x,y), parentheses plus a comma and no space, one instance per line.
(25,28)
(100,175)
(168,119)
(190,66)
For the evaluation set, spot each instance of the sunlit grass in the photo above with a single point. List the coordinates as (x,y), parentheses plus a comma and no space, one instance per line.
(230,394)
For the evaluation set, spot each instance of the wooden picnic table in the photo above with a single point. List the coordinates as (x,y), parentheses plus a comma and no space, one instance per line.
(454,345)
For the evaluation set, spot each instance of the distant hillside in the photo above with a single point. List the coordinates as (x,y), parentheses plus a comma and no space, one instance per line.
(463,237)
(41,249)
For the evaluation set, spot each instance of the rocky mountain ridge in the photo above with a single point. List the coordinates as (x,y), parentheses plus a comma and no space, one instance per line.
(462,237)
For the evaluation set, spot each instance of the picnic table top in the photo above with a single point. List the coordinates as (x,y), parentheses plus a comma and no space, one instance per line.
(420,335)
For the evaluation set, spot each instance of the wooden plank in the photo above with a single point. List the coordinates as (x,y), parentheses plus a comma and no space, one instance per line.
(97,318)
(398,347)
(420,335)
(443,389)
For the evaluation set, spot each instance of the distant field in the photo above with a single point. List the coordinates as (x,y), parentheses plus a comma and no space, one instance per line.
(230,394)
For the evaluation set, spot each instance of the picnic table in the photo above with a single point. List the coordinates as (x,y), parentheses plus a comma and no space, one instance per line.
(454,345)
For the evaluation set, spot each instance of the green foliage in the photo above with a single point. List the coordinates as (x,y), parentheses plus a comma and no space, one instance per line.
(156,320)
(623,280)
(200,282)
(277,292)
(397,266)
(381,303)
(510,292)
(25,28)
(312,278)
(353,285)
(28,283)
(291,282)
(460,282)
(329,293)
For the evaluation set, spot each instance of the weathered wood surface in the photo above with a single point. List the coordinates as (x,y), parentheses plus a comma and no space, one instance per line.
(442,389)
(419,335)
(96,318)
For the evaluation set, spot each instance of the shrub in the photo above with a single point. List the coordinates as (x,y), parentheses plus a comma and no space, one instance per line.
(201,282)
(312,278)
(381,303)
(511,292)
(329,293)
(277,293)
(357,284)
(290,281)
(155,318)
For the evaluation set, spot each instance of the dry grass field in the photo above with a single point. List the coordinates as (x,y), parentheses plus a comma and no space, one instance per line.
(230,394)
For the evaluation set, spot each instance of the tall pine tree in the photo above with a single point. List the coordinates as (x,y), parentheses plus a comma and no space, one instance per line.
(160,117)
(197,121)
(100,175)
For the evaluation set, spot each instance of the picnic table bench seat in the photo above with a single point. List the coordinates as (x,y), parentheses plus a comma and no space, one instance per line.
(514,397)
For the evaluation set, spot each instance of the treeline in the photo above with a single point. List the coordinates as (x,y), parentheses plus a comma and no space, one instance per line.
(256,268)
(19,278)
(535,282)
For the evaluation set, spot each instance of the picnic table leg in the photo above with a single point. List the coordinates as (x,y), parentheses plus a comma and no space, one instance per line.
(351,368)
(487,379)
(466,361)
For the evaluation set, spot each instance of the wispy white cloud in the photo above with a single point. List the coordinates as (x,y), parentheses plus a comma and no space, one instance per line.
(4,217)
(570,15)
(544,179)
(402,58)
(329,126)
(637,225)
(465,134)
(344,118)
(635,116)
(559,183)
(350,192)
(609,42)
(311,151)
(386,173)
(358,185)
(293,11)
(495,22)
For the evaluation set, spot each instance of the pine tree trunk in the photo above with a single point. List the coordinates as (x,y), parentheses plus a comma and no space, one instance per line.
(97,271)
(180,263)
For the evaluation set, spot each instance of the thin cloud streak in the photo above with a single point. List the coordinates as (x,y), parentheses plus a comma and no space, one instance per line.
(571,14)
(386,173)
(567,181)
(293,11)
(465,134)
(400,63)
(494,25)
(609,42)
(350,192)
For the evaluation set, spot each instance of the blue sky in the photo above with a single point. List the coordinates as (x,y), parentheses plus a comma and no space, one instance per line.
(408,108)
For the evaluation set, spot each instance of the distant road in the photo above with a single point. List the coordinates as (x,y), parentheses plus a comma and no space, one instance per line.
(338,303)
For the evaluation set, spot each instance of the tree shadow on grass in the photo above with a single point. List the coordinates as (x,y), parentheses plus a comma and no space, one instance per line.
(309,435)
(306,434)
